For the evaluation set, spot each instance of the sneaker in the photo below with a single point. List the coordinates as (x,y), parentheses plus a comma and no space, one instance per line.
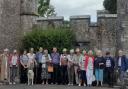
(84,84)
(79,85)
(14,83)
(10,83)
(69,84)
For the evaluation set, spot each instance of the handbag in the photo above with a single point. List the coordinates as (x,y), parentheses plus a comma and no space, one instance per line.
(50,68)
(93,78)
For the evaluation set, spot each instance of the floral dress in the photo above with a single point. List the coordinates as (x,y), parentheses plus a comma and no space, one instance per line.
(45,60)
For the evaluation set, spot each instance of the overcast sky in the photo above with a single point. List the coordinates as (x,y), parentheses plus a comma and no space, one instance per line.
(67,8)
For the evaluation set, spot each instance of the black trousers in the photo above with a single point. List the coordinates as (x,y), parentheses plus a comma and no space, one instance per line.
(39,71)
(56,74)
(109,76)
(64,74)
(23,74)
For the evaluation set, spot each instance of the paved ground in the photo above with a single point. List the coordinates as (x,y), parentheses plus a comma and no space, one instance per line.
(48,87)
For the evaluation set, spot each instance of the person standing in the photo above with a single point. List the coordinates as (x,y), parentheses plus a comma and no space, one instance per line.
(71,57)
(4,59)
(109,69)
(46,59)
(76,66)
(13,63)
(55,56)
(89,67)
(24,67)
(39,68)
(121,64)
(82,69)
(99,65)
(32,62)
(63,64)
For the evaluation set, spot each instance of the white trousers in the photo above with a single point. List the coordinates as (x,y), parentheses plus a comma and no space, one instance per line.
(89,74)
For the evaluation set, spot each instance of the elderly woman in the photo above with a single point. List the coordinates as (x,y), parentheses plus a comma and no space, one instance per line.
(82,68)
(24,67)
(89,67)
(46,59)
(99,65)
(76,66)
(13,63)
(71,57)
(63,64)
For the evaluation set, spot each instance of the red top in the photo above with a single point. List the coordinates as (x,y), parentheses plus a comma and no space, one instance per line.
(86,61)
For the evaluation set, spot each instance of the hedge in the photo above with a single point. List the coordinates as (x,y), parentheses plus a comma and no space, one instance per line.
(49,38)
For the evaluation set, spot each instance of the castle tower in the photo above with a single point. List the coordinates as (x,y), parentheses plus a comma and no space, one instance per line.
(122,31)
(16,18)
(28,14)
(9,24)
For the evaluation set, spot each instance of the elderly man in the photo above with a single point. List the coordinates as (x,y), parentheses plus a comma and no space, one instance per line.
(55,56)
(39,61)
(121,64)
(4,60)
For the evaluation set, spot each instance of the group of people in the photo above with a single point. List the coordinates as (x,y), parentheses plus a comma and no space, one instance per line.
(73,67)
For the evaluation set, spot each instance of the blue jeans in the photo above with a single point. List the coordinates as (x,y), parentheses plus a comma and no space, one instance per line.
(99,74)
(13,73)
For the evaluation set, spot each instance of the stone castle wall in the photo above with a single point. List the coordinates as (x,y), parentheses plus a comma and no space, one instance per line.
(109,33)
(15,19)
(99,35)
(122,34)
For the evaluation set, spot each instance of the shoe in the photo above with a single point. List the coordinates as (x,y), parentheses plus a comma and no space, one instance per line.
(84,84)
(10,83)
(79,85)
(69,84)
(14,83)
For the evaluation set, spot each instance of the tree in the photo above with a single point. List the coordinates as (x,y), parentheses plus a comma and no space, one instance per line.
(111,6)
(45,9)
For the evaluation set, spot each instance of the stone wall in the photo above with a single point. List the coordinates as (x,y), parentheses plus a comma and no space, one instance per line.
(80,25)
(109,33)
(99,35)
(107,27)
(122,25)
(54,22)
(9,24)
(15,19)
(28,15)
(94,36)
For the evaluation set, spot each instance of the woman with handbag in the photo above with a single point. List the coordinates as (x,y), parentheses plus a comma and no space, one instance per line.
(46,59)
(99,65)
(76,66)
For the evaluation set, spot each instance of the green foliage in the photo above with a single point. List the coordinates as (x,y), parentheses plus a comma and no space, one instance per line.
(49,38)
(111,6)
(45,9)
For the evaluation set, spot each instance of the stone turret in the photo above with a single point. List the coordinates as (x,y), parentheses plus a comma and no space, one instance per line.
(28,14)
(122,29)
(9,24)
(80,25)
(107,32)
(45,22)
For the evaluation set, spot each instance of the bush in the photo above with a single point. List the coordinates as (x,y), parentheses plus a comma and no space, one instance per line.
(49,38)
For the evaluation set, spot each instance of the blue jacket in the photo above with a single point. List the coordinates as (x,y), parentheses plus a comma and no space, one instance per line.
(124,63)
